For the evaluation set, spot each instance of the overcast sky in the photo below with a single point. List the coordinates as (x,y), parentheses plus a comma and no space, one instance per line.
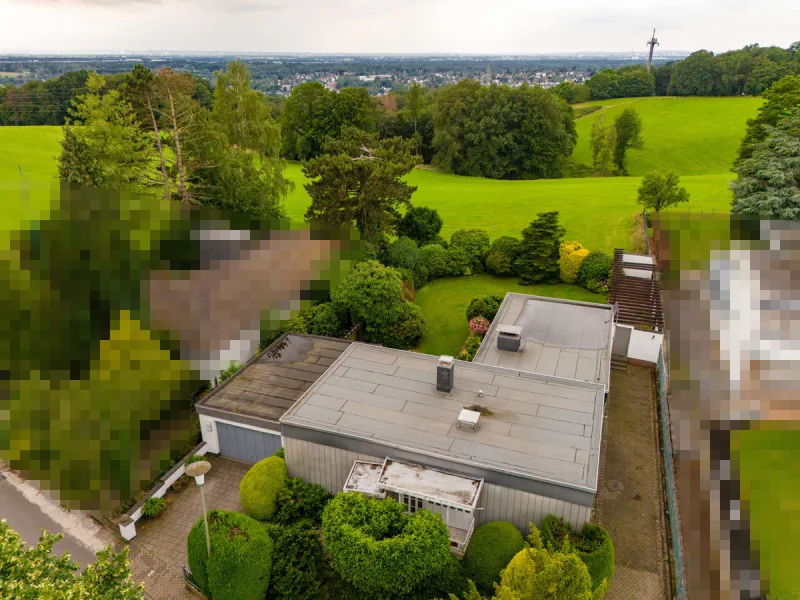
(392,26)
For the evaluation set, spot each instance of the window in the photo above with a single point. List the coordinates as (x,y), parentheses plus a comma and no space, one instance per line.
(412,504)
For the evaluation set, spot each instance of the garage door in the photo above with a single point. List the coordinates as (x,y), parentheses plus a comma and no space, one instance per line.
(247,445)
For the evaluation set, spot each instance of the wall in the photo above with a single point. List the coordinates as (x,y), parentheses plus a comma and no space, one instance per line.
(645,345)
(330,467)
(208,429)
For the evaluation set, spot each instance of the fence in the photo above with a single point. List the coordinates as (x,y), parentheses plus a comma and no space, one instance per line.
(189,579)
(678,569)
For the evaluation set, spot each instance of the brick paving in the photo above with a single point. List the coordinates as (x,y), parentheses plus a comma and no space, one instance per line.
(165,536)
(629,501)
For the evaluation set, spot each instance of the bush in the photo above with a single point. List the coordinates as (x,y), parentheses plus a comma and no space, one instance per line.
(484,306)
(593,545)
(434,259)
(261,486)
(404,254)
(458,262)
(296,565)
(475,242)
(595,267)
(408,330)
(153,507)
(281,453)
(241,556)
(479,325)
(226,374)
(421,224)
(470,348)
(492,546)
(539,250)
(502,255)
(572,255)
(301,501)
(193,459)
(380,550)
(328,321)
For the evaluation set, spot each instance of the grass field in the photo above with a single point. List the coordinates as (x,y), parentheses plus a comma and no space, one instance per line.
(444,304)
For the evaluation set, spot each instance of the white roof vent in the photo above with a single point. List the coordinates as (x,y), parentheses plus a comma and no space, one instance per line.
(469,418)
(509,337)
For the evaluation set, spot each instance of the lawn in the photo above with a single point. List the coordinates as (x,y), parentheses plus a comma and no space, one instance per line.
(769,463)
(444,304)
(691,136)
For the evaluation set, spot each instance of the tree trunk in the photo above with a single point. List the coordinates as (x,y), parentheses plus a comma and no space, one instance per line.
(182,191)
(160,147)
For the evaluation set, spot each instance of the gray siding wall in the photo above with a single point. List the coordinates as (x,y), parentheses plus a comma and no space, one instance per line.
(330,467)
(244,444)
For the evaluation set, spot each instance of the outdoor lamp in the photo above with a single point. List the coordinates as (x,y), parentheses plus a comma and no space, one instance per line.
(198,470)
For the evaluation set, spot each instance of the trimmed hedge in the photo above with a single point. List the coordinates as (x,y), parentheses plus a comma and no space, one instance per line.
(484,306)
(261,486)
(301,501)
(593,545)
(241,556)
(381,551)
(297,564)
(492,546)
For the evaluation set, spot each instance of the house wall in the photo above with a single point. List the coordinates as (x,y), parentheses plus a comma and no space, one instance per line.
(329,467)
(645,345)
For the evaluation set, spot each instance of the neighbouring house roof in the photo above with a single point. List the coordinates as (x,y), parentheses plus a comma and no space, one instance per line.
(636,290)
(533,426)
(260,392)
(561,338)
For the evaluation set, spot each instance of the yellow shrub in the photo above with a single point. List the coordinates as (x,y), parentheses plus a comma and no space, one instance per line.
(572,255)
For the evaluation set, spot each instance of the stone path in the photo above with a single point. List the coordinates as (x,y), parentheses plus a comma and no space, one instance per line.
(629,501)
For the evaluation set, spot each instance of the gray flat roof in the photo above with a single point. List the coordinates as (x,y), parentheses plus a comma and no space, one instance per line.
(561,338)
(536,426)
(274,379)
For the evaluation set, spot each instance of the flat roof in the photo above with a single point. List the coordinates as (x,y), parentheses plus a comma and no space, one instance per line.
(430,484)
(533,426)
(364,478)
(274,379)
(561,338)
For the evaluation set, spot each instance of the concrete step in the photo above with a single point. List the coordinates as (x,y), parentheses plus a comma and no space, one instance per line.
(619,364)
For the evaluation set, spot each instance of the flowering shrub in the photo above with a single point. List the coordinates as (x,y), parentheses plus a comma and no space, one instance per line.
(479,325)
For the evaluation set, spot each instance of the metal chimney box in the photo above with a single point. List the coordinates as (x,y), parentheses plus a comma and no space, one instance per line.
(509,337)
(445,374)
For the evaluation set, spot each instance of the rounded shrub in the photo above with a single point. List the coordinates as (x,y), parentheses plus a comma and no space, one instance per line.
(241,556)
(407,331)
(296,565)
(492,546)
(458,262)
(484,306)
(595,548)
(381,551)
(475,242)
(433,258)
(502,254)
(328,321)
(301,501)
(421,224)
(404,254)
(261,486)
(595,267)
(572,255)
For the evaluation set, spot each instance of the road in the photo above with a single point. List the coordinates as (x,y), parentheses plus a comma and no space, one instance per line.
(28,520)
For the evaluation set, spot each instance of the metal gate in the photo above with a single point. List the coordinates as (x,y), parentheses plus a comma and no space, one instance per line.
(247,445)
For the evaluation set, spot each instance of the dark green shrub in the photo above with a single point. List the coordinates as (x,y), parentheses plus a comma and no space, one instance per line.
(491,547)
(296,565)
(153,507)
(593,545)
(261,486)
(434,259)
(280,453)
(241,556)
(595,267)
(553,531)
(458,262)
(421,224)
(475,242)
(408,330)
(301,500)
(470,348)
(484,306)
(381,551)
(502,255)
(404,254)
(328,321)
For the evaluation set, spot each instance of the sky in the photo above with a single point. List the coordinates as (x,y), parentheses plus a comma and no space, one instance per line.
(392,26)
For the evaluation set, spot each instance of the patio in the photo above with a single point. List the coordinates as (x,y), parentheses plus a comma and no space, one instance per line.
(165,536)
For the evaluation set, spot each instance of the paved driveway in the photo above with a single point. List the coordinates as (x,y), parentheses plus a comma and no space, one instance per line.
(165,536)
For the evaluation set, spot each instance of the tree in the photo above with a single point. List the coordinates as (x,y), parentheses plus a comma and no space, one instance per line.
(304,121)
(33,573)
(768,183)
(565,91)
(603,141)
(628,128)
(635,81)
(661,190)
(539,574)
(539,251)
(109,140)
(696,75)
(783,96)
(360,180)
(421,224)
(604,85)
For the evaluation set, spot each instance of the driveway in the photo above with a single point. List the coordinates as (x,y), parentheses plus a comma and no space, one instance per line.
(629,501)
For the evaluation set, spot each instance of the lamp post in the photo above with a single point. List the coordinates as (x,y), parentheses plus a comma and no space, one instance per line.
(198,470)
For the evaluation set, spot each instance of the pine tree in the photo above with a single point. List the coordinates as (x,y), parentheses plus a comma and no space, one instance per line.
(539,251)
(76,163)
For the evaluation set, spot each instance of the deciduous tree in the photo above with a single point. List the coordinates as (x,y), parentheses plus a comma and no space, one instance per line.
(628,128)
(603,141)
(661,190)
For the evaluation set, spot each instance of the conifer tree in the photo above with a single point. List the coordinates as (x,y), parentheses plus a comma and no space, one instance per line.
(539,252)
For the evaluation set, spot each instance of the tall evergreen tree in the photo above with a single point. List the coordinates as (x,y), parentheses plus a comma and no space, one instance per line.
(539,251)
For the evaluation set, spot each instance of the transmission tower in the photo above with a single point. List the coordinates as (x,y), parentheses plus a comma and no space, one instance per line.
(652,42)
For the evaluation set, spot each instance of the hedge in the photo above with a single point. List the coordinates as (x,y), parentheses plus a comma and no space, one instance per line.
(593,545)
(596,267)
(502,256)
(492,546)
(297,563)
(407,331)
(381,551)
(434,258)
(470,348)
(261,486)
(241,556)
(301,501)
(475,242)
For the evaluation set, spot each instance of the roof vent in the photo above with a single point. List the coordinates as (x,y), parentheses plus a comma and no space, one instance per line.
(469,418)
(509,337)
(445,374)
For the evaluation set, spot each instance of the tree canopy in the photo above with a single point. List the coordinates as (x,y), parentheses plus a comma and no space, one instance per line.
(661,190)
(538,257)
(628,128)
(779,100)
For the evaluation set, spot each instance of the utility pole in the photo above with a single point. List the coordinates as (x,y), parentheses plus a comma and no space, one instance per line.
(652,42)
